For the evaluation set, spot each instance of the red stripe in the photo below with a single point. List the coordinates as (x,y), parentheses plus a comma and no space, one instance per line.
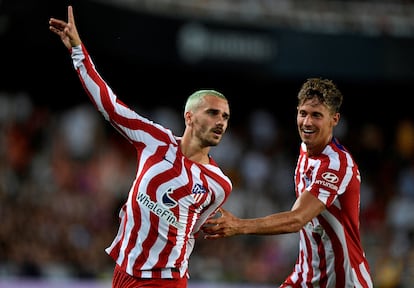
(339,253)
(322,260)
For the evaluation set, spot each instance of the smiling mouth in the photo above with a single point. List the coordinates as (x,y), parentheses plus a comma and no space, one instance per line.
(307,131)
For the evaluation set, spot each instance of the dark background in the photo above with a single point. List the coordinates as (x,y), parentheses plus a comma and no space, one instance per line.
(151,61)
(138,55)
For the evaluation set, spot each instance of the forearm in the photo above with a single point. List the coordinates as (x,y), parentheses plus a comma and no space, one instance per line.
(127,121)
(278,223)
(97,89)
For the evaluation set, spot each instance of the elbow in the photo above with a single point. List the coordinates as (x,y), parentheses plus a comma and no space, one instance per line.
(297,223)
(295,227)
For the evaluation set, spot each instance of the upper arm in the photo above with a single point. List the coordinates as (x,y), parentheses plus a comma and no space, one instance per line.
(307,207)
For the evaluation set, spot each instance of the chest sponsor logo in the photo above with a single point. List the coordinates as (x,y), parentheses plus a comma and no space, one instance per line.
(162,210)
(167,200)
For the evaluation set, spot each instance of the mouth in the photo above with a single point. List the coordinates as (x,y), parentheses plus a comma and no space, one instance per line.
(218,131)
(308,131)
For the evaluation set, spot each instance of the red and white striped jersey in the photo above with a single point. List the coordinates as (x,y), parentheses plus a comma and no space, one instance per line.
(171,196)
(330,249)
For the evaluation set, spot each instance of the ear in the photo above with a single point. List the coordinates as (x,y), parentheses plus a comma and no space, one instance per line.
(335,118)
(188,118)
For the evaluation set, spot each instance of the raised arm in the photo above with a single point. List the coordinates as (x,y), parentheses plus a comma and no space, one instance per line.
(66,30)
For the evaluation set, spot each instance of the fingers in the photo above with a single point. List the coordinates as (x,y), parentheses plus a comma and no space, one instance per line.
(57,23)
(212,232)
(57,26)
(211,222)
(54,30)
(212,237)
(223,212)
(60,24)
(71,18)
(66,30)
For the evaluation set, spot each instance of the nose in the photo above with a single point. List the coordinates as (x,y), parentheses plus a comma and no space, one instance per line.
(220,122)
(307,120)
(220,119)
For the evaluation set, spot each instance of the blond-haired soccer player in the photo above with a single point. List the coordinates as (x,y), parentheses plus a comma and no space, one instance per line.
(177,184)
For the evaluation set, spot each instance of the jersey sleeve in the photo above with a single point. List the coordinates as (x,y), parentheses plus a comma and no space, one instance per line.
(332,176)
(130,124)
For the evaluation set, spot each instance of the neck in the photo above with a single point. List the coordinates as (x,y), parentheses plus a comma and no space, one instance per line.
(193,151)
(313,150)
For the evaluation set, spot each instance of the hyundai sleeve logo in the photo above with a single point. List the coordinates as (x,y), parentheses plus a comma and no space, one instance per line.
(330,177)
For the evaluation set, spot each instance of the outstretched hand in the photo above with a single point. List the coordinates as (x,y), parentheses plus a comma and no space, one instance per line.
(224,226)
(66,30)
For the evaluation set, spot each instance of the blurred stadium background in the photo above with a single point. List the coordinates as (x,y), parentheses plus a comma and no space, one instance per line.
(64,172)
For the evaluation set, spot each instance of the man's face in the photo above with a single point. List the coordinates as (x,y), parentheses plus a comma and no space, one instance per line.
(315,124)
(210,120)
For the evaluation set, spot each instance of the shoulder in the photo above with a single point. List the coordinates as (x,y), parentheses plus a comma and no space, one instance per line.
(337,157)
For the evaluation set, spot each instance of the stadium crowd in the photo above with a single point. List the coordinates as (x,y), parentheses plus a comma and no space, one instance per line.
(365,17)
(64,175)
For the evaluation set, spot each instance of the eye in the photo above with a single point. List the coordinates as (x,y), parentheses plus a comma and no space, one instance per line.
(212,112)
(317,115)
(302,113)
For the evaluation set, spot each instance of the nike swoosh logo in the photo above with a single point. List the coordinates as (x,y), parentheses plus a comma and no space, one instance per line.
(165,158)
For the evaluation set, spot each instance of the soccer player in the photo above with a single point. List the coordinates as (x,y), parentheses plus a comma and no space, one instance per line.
(326,210)
(177,184)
